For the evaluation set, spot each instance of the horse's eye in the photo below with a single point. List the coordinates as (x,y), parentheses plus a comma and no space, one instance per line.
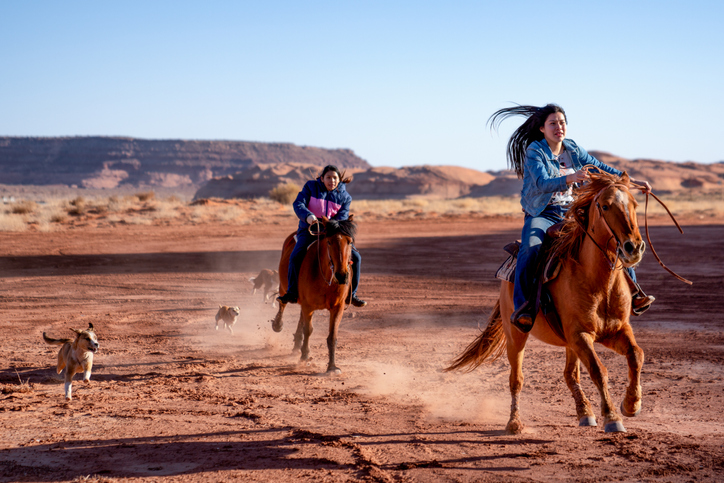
(604,207)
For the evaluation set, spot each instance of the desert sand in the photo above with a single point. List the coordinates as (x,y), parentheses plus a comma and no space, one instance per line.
(171,399)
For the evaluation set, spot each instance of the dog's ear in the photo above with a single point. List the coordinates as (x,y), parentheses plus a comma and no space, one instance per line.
(90,327)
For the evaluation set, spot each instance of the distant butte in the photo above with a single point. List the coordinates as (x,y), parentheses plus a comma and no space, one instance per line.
(240,169)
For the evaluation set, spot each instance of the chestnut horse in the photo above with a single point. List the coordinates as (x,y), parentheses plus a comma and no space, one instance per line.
(599,237)
(325,279)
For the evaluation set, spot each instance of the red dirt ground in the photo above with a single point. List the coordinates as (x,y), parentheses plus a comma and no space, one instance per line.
(171,399)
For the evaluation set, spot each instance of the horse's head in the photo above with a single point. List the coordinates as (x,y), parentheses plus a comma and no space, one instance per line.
(339,237)
(613,214)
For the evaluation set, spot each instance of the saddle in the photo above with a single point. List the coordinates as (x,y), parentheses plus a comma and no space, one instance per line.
(547,267)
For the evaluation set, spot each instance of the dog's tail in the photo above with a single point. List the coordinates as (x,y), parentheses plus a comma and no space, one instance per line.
(50,341)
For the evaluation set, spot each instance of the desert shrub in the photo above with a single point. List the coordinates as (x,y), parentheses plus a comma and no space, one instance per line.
(10,222)
(25,207)
(284,193)
(77,206)
(149,195)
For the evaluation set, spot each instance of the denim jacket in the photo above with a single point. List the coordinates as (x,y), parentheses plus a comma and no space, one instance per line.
(314,198)
(541,176)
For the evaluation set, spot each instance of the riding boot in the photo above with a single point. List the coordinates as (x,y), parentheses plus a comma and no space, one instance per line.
(640,302)
(522,318)
(287,298)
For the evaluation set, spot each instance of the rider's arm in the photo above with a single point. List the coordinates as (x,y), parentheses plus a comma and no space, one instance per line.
(300,204)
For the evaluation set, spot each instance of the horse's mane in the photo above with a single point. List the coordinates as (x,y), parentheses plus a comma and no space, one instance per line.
(570,239)
(345,227)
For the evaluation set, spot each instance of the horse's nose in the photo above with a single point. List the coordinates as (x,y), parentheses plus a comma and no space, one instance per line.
(341,277)
(632,249)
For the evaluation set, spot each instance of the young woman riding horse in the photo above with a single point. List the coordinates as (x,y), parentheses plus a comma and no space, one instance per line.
(591,294)
(549,164)
(323,197)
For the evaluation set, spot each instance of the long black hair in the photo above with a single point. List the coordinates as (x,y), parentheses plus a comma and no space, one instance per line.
(331,167)
(528,132)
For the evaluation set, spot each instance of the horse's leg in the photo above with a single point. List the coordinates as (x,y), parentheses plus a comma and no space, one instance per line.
(583,346)
(515,342)
(625,344)
(298,335)
(305,321)
(572,375)
(515,346)
(277,322)
(335,317)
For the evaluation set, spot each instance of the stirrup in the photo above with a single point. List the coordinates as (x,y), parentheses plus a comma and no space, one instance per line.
(521,319)
(644,303)
(358,302)
(287,298)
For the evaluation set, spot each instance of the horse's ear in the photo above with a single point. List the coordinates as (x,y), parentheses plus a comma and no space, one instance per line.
(624,178)
(351,217)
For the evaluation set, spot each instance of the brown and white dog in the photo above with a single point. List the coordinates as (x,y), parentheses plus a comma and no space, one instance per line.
(268,279)
(75,355)
(228,315)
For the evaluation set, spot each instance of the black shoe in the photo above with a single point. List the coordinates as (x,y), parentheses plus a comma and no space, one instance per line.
(640,303)
(287,298)
(358,302)
(522,319)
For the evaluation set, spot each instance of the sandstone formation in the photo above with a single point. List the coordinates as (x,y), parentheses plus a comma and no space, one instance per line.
(110,162)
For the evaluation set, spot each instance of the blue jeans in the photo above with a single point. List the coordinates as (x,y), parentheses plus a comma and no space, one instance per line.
(304,239)
(531,239)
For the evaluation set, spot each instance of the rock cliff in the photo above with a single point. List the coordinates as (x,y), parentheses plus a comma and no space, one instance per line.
(109,162)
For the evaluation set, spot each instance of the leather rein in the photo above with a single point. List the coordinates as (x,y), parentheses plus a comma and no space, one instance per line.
(646,225)
(319,233)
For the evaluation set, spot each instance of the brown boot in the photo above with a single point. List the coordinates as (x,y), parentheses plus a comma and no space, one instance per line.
(640,302)
(521,319)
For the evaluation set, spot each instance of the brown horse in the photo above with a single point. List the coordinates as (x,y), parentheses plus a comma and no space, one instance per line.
(325,279)
(600,236)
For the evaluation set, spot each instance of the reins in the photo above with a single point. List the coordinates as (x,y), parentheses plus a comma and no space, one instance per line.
(646,226)
(318,234)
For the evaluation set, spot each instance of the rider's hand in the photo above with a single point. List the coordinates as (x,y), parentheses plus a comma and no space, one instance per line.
(577,177)
(644,186)
(311,219)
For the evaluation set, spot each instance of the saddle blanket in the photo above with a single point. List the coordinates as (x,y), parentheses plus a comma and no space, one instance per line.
(506,272)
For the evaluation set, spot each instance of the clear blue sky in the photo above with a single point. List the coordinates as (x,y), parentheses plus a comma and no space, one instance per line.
(399,82)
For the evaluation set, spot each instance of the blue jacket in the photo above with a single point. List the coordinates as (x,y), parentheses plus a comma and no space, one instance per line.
(541,176)
(315,199)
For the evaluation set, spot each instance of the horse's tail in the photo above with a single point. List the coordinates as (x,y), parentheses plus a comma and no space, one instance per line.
(488,346)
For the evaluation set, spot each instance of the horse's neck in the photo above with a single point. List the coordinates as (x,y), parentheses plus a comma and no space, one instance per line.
(598,264)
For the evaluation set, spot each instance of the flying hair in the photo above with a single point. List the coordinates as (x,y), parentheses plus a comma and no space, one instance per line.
(528,132)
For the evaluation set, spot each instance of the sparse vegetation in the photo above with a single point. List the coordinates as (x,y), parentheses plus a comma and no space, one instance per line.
(77,206)
(22,386)
(147,196)
(24,207)
(58,214)
(285,193)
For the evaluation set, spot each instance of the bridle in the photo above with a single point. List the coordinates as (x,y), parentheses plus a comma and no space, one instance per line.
(646,226)
(612,264)
(319,234)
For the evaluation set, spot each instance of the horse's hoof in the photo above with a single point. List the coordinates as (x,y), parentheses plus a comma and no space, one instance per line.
(334,372)
(614,427)
(514,427)
(628,414)
(587,421)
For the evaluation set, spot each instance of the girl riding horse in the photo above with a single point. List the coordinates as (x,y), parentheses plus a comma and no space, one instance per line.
(323,197)
(550,164)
